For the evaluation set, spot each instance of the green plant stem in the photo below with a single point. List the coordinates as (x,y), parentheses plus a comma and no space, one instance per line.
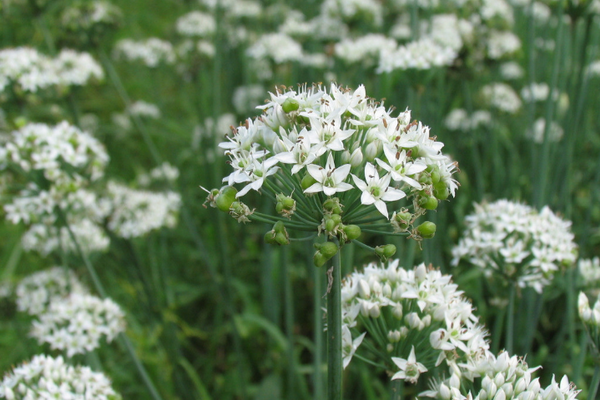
(289,321)
(595,382)
(100,288)
(510,319)
(396,390)
(334,332)
(318,327)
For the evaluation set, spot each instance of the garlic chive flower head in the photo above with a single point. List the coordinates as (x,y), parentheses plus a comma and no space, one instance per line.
(591,319)
(316,146)
(37,291)
(414,320)
(499,378)
(44,377)
(516,243)
(75,324)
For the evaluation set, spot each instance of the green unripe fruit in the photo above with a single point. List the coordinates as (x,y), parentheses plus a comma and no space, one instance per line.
(288,202)
(385,251)
(290,105)
(319,259)
(225,198)
(425,179)
(328,249)
(333,206)
(352,232)
(270,238)
(281,239)
(279,226)
(428,203)
(435,177)
(440,190)
(307,181)
(330,225)
(279,207)
(336,218)
(426,230)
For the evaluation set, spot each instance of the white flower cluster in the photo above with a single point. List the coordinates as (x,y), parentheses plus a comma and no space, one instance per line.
(76,323)
(44,377)
(517,243)
(144,109)
(38,290)
(164,173)
(136,212)
(537,92)
(410,314)
(31,70)
(151,52)
(63,153)
(459,119)
(365,49)
(555,132)
(502,377)
(589,270)
(420,54)
(246,97)
(594,69)
(352,10)
(91,13)
(196,24)
(502,96)
(501,44)
(511,70)
(330,137)
(278,47)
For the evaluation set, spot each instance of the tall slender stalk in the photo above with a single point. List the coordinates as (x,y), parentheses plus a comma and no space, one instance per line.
(100,288)
(334,331)
(318,387)
(595,382)
(510,319)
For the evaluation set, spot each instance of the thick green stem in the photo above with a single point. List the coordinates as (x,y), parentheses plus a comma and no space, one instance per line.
(289,321)
(318,328)
(510,319)
(334,331)
(396,389)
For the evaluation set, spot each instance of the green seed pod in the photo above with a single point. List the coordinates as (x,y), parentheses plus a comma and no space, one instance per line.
(290,105)
(282,239)
(426,230)
(319,259)
(270,237)
(279,227)
(279,208)
(328,249)
(225,198)
(352,232)
(330,225)
(435,177)
(440,190)
(307,181)
(428,203)
(333,206)
(385,251)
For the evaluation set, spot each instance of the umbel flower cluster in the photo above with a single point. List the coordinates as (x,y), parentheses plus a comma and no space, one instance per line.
(67,316)
(591,320)
(414,320)
(516,243)
(45,377)
(502,377)
(328,159)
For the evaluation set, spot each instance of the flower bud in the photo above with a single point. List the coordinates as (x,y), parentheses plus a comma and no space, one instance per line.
(444,392)
(372,151)
(394,336)
(357,157)
(374,311)
(290,105)
(426,230)
(401,220)
(307,181)
(386,251)
(397,311)
(225,198)
(364,290)
(352,232)
(387,290)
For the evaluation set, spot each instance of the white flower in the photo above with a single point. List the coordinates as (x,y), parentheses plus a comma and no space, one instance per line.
(377,190)
(410,369)
(330,179)
(349,346)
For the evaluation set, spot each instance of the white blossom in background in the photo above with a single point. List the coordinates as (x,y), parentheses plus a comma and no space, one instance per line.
(537,92)
(134,213)
(44,377)
(196,24)
(415,319)
(555,132)
(589,271)
(278,47)
(422,54)
(514,242)
(296,26)
(144,109)
(449,31)
(365,49)
(501,44)
(500,9)
(511,70)
(75,324)
(91,13)
(459,119)
(593,69)
(245,98)
(351,10)
(502,97)
(151,52)
(590,316)
(499,377)
(33,71)
(36,291)
(211,133)
(163,173)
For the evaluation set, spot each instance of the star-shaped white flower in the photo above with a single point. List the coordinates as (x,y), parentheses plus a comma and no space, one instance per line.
(377,190)
(330,179)
(410,369)
(349,346)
